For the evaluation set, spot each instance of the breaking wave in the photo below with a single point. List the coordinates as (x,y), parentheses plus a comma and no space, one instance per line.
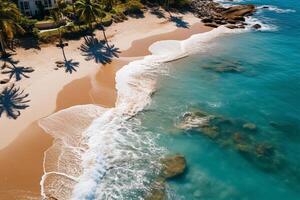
(275,9)
(99,153)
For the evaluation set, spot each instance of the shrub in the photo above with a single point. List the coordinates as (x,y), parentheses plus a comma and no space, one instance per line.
(49,36)
(180,3)
(28,24)
(107,20)
(133,7)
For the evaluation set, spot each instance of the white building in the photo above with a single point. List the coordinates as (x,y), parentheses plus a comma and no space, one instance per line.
(31,7)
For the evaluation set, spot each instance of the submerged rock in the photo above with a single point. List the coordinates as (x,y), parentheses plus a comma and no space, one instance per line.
(158,191)
(249,126)
(264,150)
(231,69)
(210,131)
(256,26)
(235,135)
(244,148)
(238,138)
(173,166)
(226,68)
(192,120)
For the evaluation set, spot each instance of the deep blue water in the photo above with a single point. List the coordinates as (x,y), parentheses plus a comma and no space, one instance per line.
(266,93)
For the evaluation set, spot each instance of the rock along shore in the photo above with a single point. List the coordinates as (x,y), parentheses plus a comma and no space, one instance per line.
(214,14)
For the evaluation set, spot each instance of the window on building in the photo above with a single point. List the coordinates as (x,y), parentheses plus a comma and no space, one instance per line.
(38,3)
(46,3)
(22,5)
(26,5)
(50,3)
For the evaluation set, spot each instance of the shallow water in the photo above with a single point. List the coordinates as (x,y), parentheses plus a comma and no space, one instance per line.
(236,79)
(265,91)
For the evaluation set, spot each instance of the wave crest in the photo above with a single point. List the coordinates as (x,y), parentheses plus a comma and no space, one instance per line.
(102,153)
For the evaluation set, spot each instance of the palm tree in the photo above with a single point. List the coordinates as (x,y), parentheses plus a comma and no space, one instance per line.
(89,11)
(9,17)
(57,16)
(108,4)
(167,6)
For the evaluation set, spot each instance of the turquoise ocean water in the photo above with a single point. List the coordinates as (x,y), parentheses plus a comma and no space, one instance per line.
(266,93)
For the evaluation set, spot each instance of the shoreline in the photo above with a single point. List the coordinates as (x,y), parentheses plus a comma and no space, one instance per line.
(102,82)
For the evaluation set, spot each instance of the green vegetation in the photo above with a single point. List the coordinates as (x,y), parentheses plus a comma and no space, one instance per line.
(79,18)
(9,26)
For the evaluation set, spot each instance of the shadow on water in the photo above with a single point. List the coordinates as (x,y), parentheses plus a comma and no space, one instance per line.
(12,100)
(9,67)
(93,49)
(179,22)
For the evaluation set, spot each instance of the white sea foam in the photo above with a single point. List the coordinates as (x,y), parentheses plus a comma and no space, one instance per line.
(274,9)
(100,153)
(228,1)
(264,26)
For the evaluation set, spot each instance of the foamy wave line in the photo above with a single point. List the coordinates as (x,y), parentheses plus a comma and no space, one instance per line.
(275,9)
(264,26)
(98,153)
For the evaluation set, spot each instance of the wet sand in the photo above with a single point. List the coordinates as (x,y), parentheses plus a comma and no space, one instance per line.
(140,47)
(21,161)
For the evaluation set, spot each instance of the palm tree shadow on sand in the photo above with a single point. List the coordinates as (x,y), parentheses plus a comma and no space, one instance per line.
(179,22)
(9,67)
(12,100)
(69,65)
(93,49)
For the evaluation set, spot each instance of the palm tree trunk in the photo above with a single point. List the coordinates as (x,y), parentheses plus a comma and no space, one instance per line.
(3,52)
(61,44)
(63,51)
(91,29)
(104,34)
(105,38)
(168,7)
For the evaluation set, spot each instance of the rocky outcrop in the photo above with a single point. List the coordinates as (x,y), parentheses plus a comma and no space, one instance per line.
(214,25)
(158,190)
(172,166)
(249,126)
(226,66)
(236,135)
(238,12)
(214,14)
(256,26)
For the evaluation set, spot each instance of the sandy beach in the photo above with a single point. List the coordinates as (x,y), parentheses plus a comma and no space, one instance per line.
(22,141)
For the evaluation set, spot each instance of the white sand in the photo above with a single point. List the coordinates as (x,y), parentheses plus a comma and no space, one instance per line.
(45,82)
